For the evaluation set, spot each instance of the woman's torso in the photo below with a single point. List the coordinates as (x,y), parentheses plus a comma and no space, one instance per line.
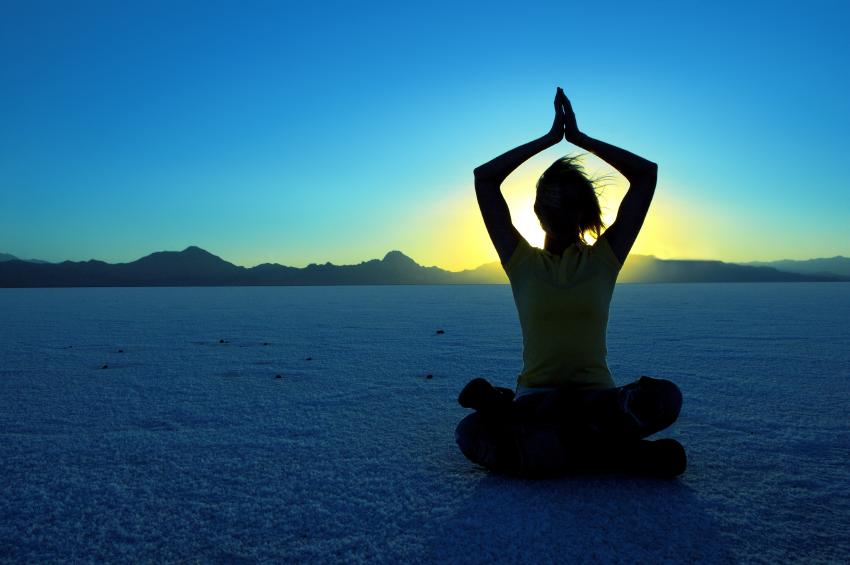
(562,302)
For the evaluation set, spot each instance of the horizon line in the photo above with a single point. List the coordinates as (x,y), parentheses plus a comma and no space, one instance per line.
(406,255)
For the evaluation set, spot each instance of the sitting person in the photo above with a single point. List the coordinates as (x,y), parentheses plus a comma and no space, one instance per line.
(567,415)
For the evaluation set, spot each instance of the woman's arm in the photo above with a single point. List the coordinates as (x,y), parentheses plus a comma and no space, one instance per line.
(641,174)
(489,178)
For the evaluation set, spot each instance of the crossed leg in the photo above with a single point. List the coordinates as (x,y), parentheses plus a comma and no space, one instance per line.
(562,431)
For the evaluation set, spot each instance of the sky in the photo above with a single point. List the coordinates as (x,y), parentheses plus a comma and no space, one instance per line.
(297,132)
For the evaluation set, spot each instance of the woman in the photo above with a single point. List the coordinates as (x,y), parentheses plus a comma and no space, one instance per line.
(567,415)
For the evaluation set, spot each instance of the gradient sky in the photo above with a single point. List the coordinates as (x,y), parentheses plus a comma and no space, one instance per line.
(290,133)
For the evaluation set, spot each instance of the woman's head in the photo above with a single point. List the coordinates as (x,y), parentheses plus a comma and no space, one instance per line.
(566,202)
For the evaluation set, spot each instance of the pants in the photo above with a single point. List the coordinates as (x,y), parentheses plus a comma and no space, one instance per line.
(565,431)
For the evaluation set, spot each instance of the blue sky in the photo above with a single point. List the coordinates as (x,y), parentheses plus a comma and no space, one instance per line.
(275,131)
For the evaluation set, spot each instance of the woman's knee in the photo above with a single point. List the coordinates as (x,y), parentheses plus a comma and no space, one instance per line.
(658,401)
(468,436)
(491,444)
(478,440)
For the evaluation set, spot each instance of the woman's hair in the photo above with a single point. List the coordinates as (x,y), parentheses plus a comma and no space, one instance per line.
(566,203)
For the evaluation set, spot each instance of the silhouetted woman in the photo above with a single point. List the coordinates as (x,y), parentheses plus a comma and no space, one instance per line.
(567,415)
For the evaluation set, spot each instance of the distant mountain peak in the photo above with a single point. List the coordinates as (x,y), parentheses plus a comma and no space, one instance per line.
(193,257)
(195,250)
(398,257)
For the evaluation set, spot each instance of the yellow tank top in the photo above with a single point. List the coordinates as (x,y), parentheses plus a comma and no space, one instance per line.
(563,303)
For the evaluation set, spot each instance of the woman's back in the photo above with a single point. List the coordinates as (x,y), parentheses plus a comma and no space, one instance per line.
(562,302)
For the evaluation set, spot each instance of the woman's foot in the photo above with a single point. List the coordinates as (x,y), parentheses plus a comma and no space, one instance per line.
(661,458)
(480,395)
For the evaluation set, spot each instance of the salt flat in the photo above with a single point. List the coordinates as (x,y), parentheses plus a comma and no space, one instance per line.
(186,448)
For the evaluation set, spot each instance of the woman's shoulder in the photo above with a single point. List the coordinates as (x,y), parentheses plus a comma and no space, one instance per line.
(601,249)
(520,255)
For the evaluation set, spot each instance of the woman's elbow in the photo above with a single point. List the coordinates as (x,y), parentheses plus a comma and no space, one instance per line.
(648,173)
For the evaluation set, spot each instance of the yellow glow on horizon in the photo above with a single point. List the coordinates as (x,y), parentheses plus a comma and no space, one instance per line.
(447,232)
(675,229)
(450,232)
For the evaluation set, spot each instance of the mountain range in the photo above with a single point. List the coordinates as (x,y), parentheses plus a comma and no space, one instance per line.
(196,267)
(829,266)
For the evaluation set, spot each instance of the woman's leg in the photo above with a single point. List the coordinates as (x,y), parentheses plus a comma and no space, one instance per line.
(510,437)
(607,431)
(562,431)
(489,442)
(661,458)
(565,431)
(634,411)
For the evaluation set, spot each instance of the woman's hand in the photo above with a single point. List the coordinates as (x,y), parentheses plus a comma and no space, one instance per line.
(556,134)
(571,132)
(495,171)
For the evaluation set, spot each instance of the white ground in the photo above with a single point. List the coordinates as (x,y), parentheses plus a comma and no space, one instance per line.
(185,449)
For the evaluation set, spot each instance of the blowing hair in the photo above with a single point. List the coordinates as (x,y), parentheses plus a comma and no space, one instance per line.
(567,204)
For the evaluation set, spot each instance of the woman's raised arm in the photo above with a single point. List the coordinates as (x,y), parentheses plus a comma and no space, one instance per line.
(489,178)
(641,174)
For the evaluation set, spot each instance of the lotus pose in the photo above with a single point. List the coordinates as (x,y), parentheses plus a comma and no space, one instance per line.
(567,415)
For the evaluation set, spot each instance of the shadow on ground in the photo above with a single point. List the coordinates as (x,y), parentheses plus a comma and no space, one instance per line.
(576,520)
